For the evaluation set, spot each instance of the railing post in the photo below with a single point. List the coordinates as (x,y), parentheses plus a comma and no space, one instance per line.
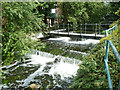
(85,28)
(58,25)
(99,28)
(48,27)
(107,68)
(73,27)
(55,26)
(81,28)
(96,30)
(107,48)
(68,28)
(117,57)
(105,41)
(119,83)
(119,77)
(63,25)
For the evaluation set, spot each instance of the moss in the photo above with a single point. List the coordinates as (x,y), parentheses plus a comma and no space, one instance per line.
(56,51)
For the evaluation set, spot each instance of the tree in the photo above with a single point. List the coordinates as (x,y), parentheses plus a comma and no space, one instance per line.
(83,12)
(113,7)
(18,20)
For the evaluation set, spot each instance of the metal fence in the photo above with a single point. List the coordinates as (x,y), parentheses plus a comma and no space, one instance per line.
(109,43)
(86,28)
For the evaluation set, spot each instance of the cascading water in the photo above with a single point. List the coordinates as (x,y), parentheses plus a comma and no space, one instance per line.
(45,70)
(46,65)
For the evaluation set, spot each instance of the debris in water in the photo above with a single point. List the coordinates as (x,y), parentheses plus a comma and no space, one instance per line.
(34,86)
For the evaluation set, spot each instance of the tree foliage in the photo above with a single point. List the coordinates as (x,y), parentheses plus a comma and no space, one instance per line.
(18,20)
(91,73)
(20,16)
(113,7)
(83,12)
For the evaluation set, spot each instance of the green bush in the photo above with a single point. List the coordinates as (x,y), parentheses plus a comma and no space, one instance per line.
(17,45)
(92,74)
(18,20)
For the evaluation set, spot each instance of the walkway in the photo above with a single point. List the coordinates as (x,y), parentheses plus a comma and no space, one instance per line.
(51,33)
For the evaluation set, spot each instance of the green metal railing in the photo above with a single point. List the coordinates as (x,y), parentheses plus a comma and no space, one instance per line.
(109,43)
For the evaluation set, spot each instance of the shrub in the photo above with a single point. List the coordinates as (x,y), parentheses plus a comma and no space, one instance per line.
(92,74)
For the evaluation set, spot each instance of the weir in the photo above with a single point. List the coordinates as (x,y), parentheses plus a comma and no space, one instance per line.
(52,67)
(44,64)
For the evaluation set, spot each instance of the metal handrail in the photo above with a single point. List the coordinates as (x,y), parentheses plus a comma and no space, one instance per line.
(96,28)
(109,43)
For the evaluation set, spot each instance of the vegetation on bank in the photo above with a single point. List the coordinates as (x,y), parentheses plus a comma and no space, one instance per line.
(19,19)
(92,73)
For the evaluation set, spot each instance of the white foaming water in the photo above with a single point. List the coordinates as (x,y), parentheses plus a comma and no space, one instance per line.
(37,59)
(41,58)
(64,39)
(35,37)
(40,35)
(84,42)
(64,69)
(88,41)
(64,66)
